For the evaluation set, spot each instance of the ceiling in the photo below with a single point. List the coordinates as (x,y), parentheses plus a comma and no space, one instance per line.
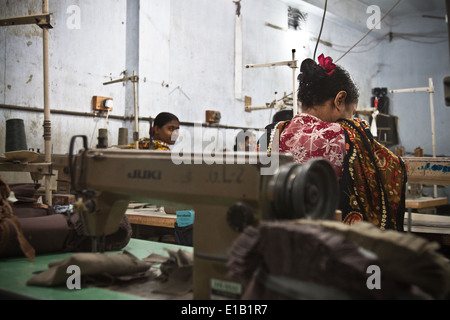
(351,11)
(404,7)
(409,7)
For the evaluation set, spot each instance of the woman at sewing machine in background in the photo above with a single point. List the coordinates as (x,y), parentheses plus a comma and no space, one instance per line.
(163,132)
(372,179)
(245,141)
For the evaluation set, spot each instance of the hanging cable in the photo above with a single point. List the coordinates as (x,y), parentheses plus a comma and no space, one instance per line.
(321,28)
(370,30)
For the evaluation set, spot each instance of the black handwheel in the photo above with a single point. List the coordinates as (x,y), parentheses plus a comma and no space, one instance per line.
(307,190)
(315,191)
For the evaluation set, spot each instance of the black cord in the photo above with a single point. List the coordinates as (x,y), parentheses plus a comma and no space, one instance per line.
(321,28)
(370,30)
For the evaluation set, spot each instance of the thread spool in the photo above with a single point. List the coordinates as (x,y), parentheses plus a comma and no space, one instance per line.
(400,151)
(102,138)
(123,136)
(418,152)
(16,140)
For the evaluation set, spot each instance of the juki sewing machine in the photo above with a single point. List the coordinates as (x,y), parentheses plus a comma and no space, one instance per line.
(225,197)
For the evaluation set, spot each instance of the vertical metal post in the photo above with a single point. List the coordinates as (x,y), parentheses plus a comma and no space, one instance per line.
(136,111)
(433,130)
(47,122)
(294,84)
(238,58)
(430,90)
(409,219)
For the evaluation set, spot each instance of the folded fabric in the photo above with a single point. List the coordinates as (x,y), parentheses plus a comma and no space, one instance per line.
(269,259)
(8,222)
(55,233)
(24,192)
(405,257)
(90,264)
(176,273)
(78,242)
(47,234)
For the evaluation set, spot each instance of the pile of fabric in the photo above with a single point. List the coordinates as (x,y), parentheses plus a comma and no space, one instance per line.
(29,227)
(330,260)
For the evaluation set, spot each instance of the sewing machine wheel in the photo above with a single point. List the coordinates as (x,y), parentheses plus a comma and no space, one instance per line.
(307,190)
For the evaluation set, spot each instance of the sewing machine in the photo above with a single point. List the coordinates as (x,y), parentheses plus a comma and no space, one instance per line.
(225,197)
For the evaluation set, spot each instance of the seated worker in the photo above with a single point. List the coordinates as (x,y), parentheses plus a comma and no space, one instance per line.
(280,118)
(163,133)
(372,179)
(245,141)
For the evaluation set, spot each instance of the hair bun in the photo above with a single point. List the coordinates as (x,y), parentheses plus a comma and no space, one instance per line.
(310,72)
(317,86)
(308,66)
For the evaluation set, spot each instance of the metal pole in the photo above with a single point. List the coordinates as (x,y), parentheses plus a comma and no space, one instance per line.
(430,90)
(47,122)
(294,84)
(433,131)
(136,111)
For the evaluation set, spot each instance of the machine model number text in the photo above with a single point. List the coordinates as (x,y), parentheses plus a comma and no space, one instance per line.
(225,176)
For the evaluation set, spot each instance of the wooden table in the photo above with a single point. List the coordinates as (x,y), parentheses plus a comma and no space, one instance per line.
(151,223)
(427,170)
(151,218)
(426,202)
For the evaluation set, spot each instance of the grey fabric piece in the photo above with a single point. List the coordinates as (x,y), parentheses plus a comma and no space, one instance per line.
(90,264)
(177,273)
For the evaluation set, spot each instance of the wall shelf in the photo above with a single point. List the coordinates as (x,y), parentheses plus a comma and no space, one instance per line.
(41,168)
(42,20)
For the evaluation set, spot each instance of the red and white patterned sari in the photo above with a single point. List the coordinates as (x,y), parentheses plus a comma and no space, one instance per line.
(372,179)
(308,137)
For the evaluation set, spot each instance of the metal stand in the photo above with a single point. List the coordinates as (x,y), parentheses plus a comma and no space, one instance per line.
(430,90)
(292,64)
(43,21)
(134,79)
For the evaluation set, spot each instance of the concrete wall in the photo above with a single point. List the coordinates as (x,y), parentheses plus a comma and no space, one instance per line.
(184,54)
(418,51)
(84,54)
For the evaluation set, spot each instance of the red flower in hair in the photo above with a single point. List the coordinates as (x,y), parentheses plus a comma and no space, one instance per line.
(327,64)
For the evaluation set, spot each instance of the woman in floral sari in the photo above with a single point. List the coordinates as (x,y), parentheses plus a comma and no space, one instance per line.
(372,179)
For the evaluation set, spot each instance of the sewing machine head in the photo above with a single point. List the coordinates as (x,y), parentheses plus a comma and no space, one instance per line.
(226,195)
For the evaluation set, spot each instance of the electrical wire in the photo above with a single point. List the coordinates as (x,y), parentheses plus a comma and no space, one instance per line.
(370,30)
(361,51)
(321,28)
(366,48)
(411,36)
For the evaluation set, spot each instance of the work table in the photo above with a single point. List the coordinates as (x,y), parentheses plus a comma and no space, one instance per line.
(15,272)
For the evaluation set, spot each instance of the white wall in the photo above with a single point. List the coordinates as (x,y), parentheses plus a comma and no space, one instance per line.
(183,52)
(408,62)
(81,60)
